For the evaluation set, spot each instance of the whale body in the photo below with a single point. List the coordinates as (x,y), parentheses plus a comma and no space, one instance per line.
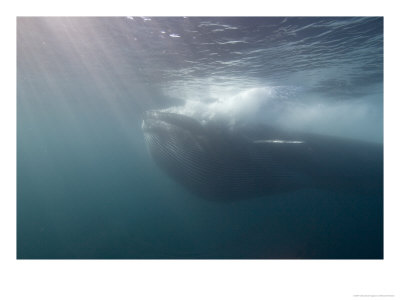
(217,163)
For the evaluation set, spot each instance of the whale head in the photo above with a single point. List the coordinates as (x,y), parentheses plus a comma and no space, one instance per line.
(194,155)
(216,163)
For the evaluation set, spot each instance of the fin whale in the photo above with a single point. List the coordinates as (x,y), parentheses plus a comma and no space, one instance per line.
(216,163)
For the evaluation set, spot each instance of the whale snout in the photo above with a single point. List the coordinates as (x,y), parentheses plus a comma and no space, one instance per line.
(152,121)
(160,120)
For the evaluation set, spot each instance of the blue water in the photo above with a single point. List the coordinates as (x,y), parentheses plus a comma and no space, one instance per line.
(86,186)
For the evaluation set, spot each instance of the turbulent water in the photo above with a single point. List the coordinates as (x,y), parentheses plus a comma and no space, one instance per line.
(88,188)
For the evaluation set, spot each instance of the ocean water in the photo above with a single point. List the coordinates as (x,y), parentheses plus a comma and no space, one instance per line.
(88,189)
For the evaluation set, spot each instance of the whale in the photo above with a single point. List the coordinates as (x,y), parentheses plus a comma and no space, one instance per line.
(216,162)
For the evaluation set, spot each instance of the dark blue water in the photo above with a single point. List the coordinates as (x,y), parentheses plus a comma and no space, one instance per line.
(86,186)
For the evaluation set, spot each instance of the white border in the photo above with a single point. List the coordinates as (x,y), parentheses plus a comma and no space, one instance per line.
(187,279)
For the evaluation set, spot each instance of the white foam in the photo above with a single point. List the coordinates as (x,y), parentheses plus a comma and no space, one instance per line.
(285,108)
(233,108)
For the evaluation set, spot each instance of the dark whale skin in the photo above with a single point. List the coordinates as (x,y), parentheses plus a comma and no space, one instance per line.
(219,164)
